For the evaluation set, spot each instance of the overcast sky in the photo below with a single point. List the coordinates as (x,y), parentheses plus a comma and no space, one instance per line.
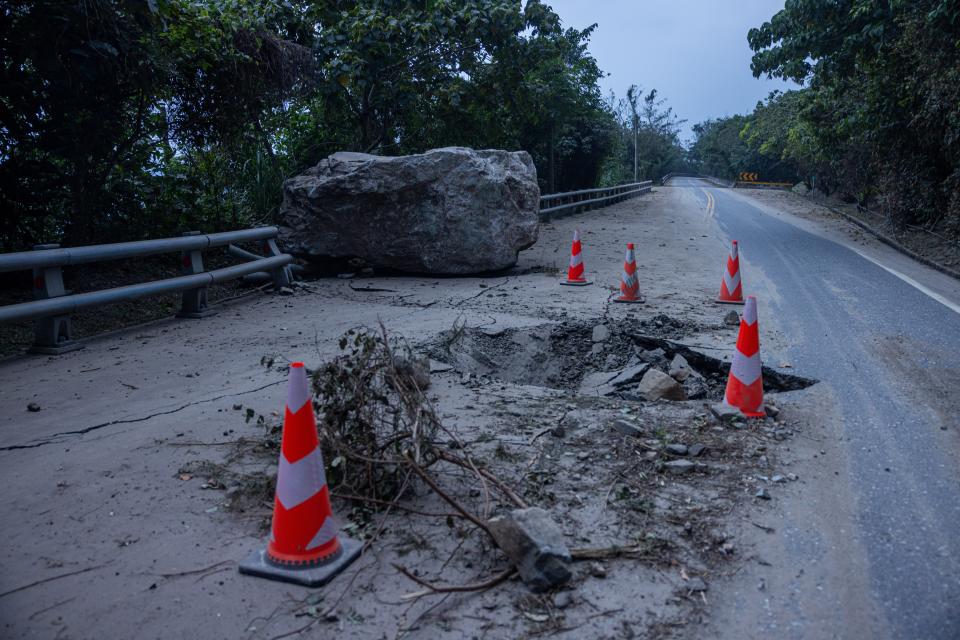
(694,52)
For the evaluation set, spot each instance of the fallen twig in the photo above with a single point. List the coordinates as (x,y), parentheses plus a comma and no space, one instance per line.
(436,588)
(370,289)
(52,578)
(440,492)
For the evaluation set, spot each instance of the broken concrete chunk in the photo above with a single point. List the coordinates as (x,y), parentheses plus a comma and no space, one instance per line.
(677,449)
(627,428)
(732,319)
(629,375)
(726,413)
(597,384)
(439,367)
(679,467)
(679,368)
(601,333)
(534,543)
(656,384)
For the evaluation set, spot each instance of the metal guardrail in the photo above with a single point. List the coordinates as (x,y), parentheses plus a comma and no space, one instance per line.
(53,304)
(585,199)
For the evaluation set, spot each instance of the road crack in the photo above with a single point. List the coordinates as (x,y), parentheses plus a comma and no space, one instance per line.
(60,437)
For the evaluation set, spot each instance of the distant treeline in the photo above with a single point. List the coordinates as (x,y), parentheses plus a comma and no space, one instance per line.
(877,119)
(124,119)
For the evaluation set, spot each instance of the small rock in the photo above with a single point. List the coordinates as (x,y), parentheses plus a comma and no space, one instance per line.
(650,455)
(583,455)
(762,494)
(601,333)
(33,407)
(679,467)
(696,585)
(563,599)
(346,276)
(237,407)
(439,367)
(778,479)
(677,449)
(656,384)
(596,349)
(285,291)
(597,570)
(772,410)
(732,319)
(627,429)
(697,450)
(792,477)
(558,431)
(534,543)
(726,413)
(679,368)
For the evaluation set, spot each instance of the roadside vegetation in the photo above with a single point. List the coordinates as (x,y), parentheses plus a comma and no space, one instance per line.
(125,119)
(877,119)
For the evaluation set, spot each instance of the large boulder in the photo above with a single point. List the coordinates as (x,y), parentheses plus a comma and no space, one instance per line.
(448,211)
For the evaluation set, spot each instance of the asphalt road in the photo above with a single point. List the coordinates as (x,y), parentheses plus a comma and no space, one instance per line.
(889,356)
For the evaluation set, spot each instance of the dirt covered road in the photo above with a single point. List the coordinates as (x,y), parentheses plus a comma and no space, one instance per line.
(145,477)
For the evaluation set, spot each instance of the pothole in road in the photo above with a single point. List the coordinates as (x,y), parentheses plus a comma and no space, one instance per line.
(565,356)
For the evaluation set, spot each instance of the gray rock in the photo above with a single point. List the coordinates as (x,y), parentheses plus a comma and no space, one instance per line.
(778,479)
(679,467)
(597,384)
(697,450)
(677,449)
(695,585)
(772,410)
(629,375)
(452,210)
(628,429)
(732,319)
(33,407)
(656,384)
(597,570)
(601,333)
(762,494)
(534,543)
(563,599)
(439,367)
(801,189)
(726,413)
(679,368)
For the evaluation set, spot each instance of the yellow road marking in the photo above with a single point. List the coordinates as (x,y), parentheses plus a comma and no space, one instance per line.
(711,204)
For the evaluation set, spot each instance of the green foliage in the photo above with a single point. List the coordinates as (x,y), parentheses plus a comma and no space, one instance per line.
(124,119)
(880,115)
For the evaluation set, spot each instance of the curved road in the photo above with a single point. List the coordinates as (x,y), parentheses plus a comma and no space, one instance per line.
(888,354)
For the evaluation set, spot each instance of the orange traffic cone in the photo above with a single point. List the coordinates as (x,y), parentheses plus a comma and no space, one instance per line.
(629,285)
(575,271)
(731,290)
(304,547)
(745,384)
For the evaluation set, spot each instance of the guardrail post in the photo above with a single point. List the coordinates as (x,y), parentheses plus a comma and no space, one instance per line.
(283,276)
(194,300)
(51,336)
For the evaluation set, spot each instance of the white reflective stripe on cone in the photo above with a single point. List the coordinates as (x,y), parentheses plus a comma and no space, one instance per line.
(327,532)
(299,481)
(746,370)
(732,282)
